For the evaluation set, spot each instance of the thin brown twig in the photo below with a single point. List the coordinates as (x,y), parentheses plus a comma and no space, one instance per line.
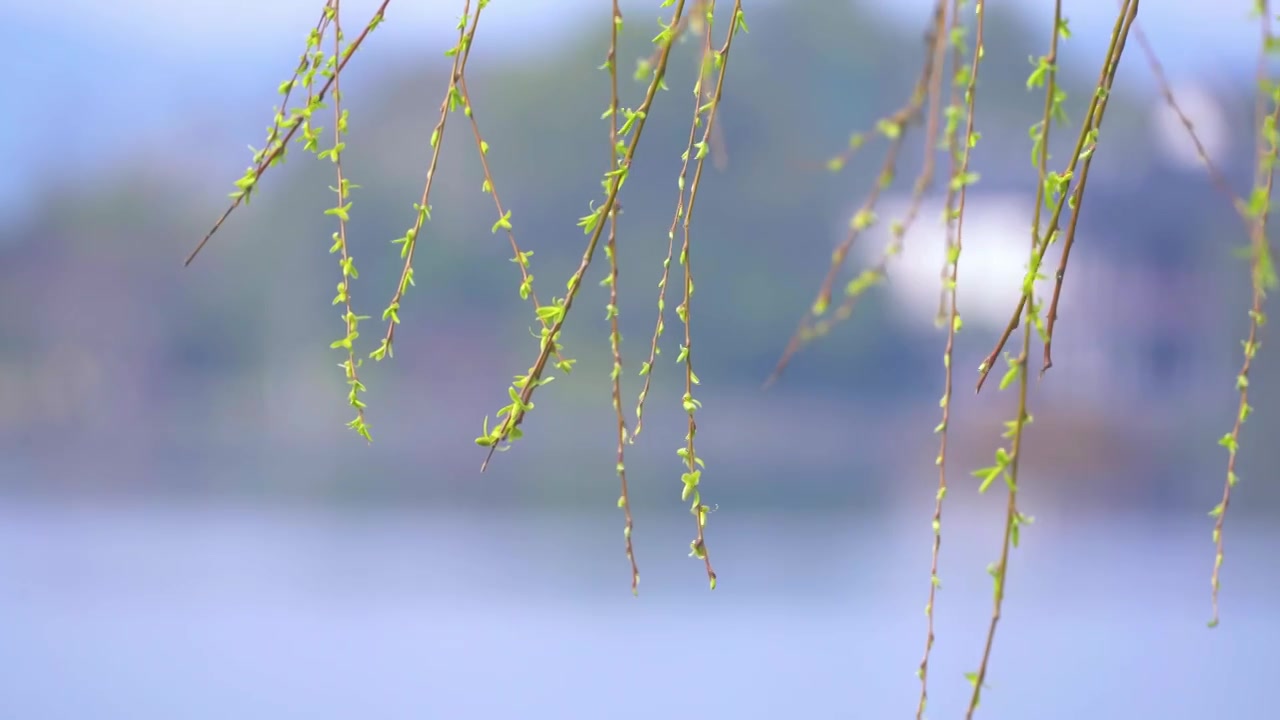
(512,420)
(615,335)
(1162,82)
(718,147)
(660,326)
(274,152)
(896,126)
(978,51)
(879,272)
(692,461)
(1100,99)
(1261,274)
(1256,227)
(1013,518)
(463,52)
(1083,152)
(348,268)
(519,258)
(705,95)
(950,272)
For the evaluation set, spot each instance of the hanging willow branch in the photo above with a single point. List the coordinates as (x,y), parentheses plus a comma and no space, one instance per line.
(1062,193)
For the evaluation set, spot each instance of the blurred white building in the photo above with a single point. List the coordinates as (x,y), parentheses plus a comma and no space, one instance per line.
(1127,329)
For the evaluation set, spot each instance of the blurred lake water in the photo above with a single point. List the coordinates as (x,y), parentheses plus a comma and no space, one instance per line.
(171,611)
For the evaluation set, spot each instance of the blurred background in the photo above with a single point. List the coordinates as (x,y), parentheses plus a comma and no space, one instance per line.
(188,531)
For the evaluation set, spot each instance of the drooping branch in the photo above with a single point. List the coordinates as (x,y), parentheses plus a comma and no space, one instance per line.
(318,74)
(1262,273)
(615,335)
(521,391)
(282,131)
(453,99)
(894,128)
(1059,188)
(948,305)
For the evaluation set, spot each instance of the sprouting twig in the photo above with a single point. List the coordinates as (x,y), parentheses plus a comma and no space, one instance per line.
(519,257)
(351,321)
(1262,277)
(522,390)
(1162,82)
(894,127)
(1062,190)
(1008,462)
(275,150)
(422,209)
(615,335)
(693,463)
(950,272)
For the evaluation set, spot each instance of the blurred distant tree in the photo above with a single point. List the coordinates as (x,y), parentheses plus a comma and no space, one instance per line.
(941,105)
